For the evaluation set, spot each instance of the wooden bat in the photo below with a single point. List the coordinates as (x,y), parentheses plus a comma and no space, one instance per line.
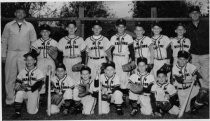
(186,101)
(49,92)
(99,92)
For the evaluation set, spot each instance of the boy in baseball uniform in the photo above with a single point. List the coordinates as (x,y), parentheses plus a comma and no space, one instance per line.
(41,46)
(70,46)
(160,45)
(123,51)
(179,43)
(184,74)
(142,44)
(87,100)
(146,80)
(110,89)
(28,85)
(96,47)
(63,88)
(164,97)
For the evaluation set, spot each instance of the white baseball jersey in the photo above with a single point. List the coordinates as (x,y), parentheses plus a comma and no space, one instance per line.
(145,80)
(96,47)
(30,77)
(160,91)
(109,83)
(66,83)
(160,46)
(121,43)
(42,45)
(141,47)
(180,45)
(71,47)
(187,72)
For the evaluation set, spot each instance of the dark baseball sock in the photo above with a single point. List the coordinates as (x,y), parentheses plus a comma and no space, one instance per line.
(18,107)
(133,104)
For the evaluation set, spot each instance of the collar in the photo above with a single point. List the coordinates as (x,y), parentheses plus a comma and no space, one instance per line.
(45,40)
(142,75)
(14,21)
(121,35)
(62,79)
(93,39)
(31,70)
(88,81)
(164,84)
(142,38)
(160,36)
(69,39)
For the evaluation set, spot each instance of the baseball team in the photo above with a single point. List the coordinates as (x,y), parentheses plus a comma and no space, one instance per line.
(161,89)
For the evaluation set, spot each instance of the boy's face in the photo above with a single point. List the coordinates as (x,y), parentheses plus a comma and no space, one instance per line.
(96,29)
(71,29)
(60,72)
(120,28)
(156,30)
(162,78)
(180,30)
(30,61)
(85,75)
(20,14)
(195,15)
(45,33)
(139,31)
(109,71)
(182,61)
(142,67)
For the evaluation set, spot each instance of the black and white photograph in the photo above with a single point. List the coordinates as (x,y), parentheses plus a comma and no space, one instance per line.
(105,60)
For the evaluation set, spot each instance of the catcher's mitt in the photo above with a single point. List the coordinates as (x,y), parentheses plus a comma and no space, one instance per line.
(56,99)
(129,66)
(52,52)
(83,90)
(77,67)
(179,79)
(164,106)
(135,88)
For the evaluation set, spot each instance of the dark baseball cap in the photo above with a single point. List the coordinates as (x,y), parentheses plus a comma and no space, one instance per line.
(121,22)
(61,65)
(96,22)
(85,68)
(45,27)
(194,8)
(139,24)
(72,22)
(33,53)
(183,54)
(112,64)
(157,24)
(161,71)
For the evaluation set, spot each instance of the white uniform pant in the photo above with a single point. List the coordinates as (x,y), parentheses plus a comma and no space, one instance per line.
(43,64)
(94,64)
(69,62)
(71,94)
(182,94)
(202,64)
(88,103)
(174,110)
(116,98)
(119,61)
(32,102)
(14,64)
(144,101)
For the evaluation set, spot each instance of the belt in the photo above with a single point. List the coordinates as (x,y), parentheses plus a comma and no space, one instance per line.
(97,57)
(146,94)
(160,59)
(72,56)
(183,88)
(118,55)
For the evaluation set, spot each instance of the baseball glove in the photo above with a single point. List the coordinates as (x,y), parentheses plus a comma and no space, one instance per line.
(129,66)
(77,67)
(36,86)
(135,88)
(106,97)
(83,90)
(179,79)
(20,87)
(52,52)
(56,99)
(164,106)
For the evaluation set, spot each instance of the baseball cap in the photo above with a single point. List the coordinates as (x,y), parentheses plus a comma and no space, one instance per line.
(33,53)
(194,8)
(61,65)
(96,22)
(72,22)
(183,54)
(85,68)
(139,24)
(161,71)
(141,59)
(157,24)
(45,27)
(112,64)
(121,22)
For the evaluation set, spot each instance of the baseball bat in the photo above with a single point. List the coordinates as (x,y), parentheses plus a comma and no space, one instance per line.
(49,92)
(186,100)
(99,92)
